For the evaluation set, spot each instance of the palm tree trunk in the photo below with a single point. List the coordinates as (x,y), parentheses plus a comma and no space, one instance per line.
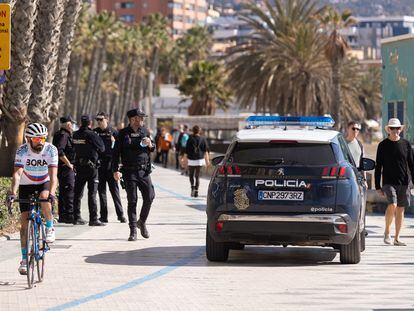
(72,9)
(47,34)
(19,80)
(93,69)
(336,95)
(92,105)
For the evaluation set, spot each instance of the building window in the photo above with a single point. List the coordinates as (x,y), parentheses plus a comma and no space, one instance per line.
(173,5)
(189,20)
(127,18)
(178,18)
(127,5)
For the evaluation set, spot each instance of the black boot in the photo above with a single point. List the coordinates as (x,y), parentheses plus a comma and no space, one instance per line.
(132,234)
(195,193)
(143,228)
(192,191)
(122,219)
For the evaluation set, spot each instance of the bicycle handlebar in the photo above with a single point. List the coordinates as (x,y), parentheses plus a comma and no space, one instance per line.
(31,201)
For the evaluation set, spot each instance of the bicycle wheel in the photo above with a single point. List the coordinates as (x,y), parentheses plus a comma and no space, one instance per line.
(41,242)
(30,248)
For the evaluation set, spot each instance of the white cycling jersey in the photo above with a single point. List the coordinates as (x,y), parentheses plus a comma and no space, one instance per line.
(36,165)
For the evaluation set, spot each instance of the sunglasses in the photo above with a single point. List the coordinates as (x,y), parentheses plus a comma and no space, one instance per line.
(395,128)
(356,129)
(38,139)
(99,119)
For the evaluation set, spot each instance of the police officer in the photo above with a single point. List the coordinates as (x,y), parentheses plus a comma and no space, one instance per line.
(133,146)
(88,145)
(108,135)
(66,175)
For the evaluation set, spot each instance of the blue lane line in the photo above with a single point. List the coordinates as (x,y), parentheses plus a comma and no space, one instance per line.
(178,195)
(181,262)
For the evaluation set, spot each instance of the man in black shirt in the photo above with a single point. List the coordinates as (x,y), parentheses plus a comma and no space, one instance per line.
(108,135)
(66,175)
(133,147)
(394,162)
(88,146)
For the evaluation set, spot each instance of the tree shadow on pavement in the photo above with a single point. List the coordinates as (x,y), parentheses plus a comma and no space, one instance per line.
(251,256)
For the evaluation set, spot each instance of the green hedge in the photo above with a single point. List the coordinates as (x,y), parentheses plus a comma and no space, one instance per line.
(7,222)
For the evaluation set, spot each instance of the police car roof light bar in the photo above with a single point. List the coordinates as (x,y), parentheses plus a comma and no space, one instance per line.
(322,121)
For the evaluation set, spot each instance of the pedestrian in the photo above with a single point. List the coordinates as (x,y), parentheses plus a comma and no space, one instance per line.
(132,149)
(63,142)
(88,146)
(164,145)
(182,142)
(157,158)
(175,145)
(355,146)
(197,152)
(108,135)
(394,159)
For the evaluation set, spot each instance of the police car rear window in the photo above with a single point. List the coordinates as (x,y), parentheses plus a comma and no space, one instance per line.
(288,154)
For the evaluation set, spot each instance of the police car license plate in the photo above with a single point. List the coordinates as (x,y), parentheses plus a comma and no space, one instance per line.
(281,195)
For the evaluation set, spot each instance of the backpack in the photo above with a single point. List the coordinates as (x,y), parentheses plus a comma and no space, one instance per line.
(183,141)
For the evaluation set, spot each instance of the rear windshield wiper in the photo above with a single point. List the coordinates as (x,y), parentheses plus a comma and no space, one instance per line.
(268,161)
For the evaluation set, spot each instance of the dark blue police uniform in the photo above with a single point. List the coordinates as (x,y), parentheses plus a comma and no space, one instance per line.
(106,176)
(66,176)
(88,145)
(136,169)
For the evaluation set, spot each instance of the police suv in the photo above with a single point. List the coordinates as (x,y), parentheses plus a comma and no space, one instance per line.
(287,181)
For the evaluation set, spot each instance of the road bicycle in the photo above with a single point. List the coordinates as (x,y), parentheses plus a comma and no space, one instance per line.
(36,245)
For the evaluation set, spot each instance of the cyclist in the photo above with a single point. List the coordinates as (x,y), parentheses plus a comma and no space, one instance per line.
(35,171)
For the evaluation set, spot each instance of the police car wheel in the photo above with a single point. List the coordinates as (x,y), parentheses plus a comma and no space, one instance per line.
(351,253)
(216,251)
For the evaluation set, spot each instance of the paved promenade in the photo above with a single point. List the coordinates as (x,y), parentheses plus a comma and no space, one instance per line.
(92,268)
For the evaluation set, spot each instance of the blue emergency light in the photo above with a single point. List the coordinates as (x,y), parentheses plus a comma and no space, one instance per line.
(322,121)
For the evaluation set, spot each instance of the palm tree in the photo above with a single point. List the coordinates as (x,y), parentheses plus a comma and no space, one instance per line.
(281,67)
(350,89)
(47,36)
(206,85)
(72,9)
(104,28)
(19,80)
(336,48)
(371,92)
(195,44)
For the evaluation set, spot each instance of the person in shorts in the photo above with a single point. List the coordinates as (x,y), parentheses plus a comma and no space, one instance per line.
(35,173)
(394,162)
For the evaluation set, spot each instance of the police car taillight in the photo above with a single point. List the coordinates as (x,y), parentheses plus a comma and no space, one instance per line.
(334,171)
(229,169)
(219,226)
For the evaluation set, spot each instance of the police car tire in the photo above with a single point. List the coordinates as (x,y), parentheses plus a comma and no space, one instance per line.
(216,251)
(351,253)
(236,246)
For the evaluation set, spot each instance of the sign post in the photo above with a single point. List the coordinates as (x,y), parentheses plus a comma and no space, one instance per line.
(5,36)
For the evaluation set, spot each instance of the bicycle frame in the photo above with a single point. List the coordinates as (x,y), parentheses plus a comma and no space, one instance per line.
(35,232)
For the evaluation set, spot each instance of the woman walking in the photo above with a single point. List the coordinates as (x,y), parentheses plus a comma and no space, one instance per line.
(197,152)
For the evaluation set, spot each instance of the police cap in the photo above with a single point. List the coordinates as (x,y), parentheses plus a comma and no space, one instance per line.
(136,112)
(67,118)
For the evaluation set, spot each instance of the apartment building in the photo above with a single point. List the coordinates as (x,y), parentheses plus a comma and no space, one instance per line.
(182,14)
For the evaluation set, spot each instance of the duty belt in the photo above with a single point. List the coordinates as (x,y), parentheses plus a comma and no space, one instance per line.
(135,167)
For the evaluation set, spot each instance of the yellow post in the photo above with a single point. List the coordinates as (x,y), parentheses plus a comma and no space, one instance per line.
(5,36)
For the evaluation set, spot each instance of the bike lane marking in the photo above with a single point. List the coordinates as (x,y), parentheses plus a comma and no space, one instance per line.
(146,278)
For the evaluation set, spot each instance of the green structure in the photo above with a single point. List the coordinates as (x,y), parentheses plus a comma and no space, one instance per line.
(398,85)
(398,82)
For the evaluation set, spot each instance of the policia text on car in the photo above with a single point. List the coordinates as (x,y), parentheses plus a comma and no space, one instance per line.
(132,149)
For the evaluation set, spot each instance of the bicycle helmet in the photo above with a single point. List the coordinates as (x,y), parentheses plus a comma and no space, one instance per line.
(36,130)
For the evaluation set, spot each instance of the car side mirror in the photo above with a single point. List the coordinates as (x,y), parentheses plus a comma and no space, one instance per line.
(367,164)
(217,160)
